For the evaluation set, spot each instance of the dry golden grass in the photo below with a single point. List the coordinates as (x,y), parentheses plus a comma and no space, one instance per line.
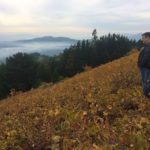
(100,109)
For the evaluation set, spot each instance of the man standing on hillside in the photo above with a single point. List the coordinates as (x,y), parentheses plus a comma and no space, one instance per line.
(144,64)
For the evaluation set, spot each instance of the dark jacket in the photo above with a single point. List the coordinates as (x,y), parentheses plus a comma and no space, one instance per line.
(144,57)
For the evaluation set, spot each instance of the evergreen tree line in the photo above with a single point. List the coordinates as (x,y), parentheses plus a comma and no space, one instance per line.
(25,71)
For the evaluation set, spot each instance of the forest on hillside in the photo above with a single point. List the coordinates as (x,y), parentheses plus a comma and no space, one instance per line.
(22,71)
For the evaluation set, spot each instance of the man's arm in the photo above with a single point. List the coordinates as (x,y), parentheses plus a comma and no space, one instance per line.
(138,61)
(146,59)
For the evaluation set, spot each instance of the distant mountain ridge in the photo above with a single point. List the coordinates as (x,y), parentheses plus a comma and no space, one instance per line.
(136,36)
(49,39)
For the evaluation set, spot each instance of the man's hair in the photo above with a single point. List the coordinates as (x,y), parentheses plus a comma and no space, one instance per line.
(146,34)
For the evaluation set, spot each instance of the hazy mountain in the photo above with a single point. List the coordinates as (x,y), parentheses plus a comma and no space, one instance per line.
(136,36)
(46,45)
(7,44)
(49,39)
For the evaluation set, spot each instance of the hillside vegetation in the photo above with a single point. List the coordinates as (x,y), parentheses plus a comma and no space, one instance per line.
(100,109)
(24,71)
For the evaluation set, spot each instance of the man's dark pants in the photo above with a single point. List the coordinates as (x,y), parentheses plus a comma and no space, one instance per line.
(145,78)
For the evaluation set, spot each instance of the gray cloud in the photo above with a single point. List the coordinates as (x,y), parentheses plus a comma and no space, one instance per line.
(4,8)
(75,16)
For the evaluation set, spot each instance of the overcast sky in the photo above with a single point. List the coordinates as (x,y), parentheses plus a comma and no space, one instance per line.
(73,18)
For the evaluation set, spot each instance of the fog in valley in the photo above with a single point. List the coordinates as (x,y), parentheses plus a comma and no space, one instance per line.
(45,48)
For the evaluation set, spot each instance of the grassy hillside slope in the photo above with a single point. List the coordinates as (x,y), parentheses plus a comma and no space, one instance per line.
(99,109)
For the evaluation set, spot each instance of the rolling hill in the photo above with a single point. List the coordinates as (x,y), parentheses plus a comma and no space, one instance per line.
(100,109)
(49,39)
